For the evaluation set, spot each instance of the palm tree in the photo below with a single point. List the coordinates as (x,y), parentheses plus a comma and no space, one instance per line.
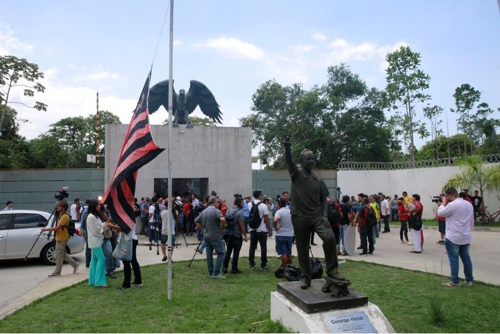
(476,174)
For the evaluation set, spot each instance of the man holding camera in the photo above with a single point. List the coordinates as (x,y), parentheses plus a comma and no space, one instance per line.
(459,216)
(211,222)
(61,237)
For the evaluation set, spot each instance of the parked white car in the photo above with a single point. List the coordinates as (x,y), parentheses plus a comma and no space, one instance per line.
(20,228)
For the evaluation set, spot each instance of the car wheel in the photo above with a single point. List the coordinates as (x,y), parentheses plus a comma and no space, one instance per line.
(48,254)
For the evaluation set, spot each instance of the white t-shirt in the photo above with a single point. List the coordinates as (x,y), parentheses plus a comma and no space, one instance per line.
(385,208)
(262,212)
(164,222)
(72,212)
(284,223)
(152,212)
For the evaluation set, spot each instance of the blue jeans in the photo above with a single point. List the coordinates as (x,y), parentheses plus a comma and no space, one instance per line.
(218,246)
(108,254)
(152,233)
(342,228)
(454,251)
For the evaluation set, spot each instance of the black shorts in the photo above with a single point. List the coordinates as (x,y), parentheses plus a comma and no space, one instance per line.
(164,239)
(442,227)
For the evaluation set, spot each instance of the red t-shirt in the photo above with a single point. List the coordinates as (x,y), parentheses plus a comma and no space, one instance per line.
(187,208)
(339,209)
(403,214)
(223,209)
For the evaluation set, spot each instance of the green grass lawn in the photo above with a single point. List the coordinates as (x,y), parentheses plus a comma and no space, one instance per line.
(241,303)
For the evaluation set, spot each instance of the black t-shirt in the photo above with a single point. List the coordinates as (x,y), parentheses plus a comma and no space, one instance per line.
(476,201)
(346,209)
(137,210)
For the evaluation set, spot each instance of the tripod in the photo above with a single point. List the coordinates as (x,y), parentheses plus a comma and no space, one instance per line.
(56,216)
(195,251)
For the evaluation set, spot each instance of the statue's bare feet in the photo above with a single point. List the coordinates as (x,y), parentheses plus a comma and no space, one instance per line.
(175,125)
(189,125)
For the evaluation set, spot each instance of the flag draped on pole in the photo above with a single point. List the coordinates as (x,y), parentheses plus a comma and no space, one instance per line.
(138,149)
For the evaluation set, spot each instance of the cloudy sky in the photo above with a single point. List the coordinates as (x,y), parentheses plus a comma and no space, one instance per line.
(92,46)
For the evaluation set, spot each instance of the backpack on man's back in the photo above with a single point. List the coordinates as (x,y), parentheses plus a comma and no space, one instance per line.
(371,220)
(255,219)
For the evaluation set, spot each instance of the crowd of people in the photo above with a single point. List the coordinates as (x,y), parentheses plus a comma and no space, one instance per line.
(221,230)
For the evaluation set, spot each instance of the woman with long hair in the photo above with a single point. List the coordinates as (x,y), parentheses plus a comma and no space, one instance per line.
(97,270)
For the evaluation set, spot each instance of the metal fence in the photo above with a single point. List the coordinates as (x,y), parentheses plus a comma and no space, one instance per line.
(372,165)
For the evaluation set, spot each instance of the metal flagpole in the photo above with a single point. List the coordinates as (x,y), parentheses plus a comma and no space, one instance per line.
(169,149)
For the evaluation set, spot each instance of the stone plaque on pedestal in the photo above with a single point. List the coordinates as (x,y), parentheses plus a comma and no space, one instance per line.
(313,311)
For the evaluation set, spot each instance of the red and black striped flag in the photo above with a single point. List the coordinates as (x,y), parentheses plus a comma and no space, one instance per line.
(138,149)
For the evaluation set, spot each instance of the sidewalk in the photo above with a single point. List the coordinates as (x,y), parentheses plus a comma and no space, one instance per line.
(388,251)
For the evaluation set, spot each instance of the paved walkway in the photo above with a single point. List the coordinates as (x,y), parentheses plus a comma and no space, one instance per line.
(18,292)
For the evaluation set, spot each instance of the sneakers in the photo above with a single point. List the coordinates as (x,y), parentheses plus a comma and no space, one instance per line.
(135,284)
(218,276)
(236,271)
(55,275)
(440,242)
(403,242)
(123,288)
(409,243)
(451,284)
(75,268)
(469,283)
(224,270)
(165,258)
(341,262)
(252,267)
(264,267)
(112,275)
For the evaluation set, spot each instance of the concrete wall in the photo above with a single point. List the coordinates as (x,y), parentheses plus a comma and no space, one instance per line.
(221,154)
(426,182)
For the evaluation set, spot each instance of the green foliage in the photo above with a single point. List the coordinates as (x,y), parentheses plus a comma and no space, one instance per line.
(476,174)
(340,120)
(444,147)
(69,140)
(406,85)
(197,121)
(436,310)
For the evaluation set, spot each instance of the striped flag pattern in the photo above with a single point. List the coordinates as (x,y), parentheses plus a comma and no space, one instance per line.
(138,149)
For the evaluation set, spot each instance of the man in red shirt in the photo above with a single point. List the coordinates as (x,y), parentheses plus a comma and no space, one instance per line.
(365,231)
(467,196)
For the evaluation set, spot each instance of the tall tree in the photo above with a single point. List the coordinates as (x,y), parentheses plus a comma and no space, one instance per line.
(406,86)
(75,138)
(433,113)
(476,174)
(339,120)
(18,72)
(465,97)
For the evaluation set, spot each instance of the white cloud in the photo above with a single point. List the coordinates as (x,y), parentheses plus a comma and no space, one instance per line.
(177,42)
(235,47)
(9,43)
(343,51)
(301,48)
(319,37)
(95,75)
(102,75)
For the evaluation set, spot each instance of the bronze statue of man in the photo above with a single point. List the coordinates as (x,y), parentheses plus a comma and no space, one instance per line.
(309,214)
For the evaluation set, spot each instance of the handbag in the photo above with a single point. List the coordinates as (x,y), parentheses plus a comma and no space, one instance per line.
(415,222)
(123,250)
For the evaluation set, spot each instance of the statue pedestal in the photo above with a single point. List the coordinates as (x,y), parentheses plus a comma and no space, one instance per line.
(313,311)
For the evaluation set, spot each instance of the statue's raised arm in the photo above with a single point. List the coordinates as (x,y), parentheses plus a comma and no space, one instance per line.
(292,167)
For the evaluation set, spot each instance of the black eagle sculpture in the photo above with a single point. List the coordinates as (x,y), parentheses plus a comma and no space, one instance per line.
(184,104)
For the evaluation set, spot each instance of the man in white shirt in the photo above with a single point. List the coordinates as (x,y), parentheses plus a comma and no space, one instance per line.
(284,233)
(153,221)
(260,234)
(385,211)
(459,216)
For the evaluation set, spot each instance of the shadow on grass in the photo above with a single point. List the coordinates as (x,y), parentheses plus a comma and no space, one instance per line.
(240,303)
